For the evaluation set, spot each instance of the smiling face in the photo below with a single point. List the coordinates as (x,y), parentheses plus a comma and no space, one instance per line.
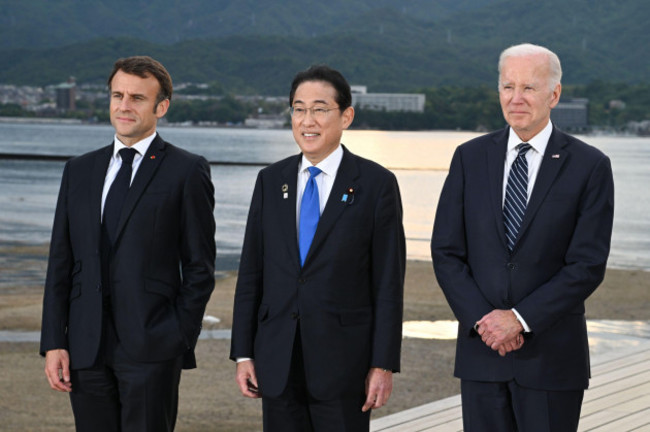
(133,108)
(525,94)
(319,137)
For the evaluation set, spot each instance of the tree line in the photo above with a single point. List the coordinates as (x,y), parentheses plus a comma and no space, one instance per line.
(611,105)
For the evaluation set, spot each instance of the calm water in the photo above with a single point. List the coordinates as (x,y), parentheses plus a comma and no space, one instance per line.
(28,189)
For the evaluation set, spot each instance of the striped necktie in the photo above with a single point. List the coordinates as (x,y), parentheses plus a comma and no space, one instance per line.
(516,199)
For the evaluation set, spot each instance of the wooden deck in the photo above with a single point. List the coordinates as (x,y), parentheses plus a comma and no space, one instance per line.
(618,399)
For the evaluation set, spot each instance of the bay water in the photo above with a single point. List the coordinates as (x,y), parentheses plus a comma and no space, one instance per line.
(28,188)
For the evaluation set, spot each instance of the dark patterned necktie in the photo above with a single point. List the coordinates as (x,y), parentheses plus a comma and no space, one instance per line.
(117,193)
(514,205)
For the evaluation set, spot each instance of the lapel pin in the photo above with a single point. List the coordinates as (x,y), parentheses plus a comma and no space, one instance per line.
(555,156)
(152,157)
(348,196)
(285,189)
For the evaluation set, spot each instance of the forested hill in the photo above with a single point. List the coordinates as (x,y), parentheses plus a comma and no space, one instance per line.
(257,46)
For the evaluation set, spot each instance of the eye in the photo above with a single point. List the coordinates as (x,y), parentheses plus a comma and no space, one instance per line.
(299,110)
(320,111)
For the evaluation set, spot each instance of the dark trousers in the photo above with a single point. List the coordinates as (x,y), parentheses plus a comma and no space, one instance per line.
(296,410)
(121,395)
(506,406)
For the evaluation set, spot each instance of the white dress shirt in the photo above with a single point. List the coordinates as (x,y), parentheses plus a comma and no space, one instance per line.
(534,157)
(325,180)
(115,163)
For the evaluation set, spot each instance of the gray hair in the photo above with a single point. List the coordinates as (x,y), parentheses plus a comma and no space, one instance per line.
(526,49)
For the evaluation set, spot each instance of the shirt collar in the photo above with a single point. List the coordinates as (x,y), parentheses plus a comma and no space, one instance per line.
(538,142)
(141,146)
(329,165)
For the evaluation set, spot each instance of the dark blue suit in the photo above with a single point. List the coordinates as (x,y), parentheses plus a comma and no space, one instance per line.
(347,299)
(559,258)
(161,267)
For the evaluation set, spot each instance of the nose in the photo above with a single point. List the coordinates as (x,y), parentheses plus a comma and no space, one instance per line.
(309,117)
(517,96)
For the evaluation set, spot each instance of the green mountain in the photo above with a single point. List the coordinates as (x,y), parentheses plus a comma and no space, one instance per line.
(257,47)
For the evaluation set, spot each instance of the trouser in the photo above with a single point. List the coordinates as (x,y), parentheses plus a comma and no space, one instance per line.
(121,395)
(296,410)
(507,406)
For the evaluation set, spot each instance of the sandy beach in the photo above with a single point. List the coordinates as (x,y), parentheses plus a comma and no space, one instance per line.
(209,398)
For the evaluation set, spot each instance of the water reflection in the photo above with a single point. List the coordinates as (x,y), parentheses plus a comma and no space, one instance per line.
(444,329)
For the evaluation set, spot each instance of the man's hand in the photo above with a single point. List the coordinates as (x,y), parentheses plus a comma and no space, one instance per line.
(246,379)
(501,331)
(379,385)
(57,370)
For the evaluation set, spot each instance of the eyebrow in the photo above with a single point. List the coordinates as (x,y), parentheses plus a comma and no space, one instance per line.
(318,101)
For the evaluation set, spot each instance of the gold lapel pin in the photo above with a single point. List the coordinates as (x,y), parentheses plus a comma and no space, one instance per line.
(285,189)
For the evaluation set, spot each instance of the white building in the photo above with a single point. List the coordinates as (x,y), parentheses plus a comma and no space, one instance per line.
(412,102)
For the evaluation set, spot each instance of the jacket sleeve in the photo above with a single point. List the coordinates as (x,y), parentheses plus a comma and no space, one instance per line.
(449,250)
(58,282)
(248,292)
(388,267)
(198,250)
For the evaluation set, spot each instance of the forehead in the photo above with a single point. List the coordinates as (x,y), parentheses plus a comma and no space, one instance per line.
(129,83)
(315,91)
(525,68)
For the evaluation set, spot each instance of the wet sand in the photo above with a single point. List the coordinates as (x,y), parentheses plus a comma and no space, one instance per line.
(209,398)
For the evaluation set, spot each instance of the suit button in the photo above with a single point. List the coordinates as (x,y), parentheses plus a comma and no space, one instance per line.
(511,266)
(295,315)
(302,280)
(99,287)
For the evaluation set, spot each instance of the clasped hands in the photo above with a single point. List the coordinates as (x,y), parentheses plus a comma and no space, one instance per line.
(501,331)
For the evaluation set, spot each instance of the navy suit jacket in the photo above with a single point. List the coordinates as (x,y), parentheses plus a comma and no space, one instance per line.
(348,295)
(559,258)
(161,266)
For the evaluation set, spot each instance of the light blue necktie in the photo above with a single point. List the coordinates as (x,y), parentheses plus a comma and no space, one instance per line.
(514,205)
(309,213)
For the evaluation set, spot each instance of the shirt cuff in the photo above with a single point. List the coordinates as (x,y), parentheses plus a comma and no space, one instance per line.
(521,321)
(242,359)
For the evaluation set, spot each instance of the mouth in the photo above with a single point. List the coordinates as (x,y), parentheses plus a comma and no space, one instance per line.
(310,135)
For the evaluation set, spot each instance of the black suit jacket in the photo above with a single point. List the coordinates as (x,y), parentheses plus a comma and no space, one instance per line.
(161,266)
(347,297)
(558,261)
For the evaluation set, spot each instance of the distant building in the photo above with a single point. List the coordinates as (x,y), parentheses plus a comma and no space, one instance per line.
(66,95)
(571,114)
(411,102)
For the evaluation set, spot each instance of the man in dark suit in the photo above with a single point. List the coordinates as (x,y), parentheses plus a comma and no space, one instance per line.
(521,239)
(131,265)
(317,323)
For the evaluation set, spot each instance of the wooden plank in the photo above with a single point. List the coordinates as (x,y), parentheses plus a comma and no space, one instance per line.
(618,400)
(614,413)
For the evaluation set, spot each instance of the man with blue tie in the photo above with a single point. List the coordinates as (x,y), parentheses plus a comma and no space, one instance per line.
(131,265)
(318,306)
(520,240)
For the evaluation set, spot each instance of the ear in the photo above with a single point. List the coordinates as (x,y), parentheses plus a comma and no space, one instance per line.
(347,116)
(555,96)
(161,108)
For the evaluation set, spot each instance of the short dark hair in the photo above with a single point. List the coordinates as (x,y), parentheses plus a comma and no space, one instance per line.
(328,75)
(145,66)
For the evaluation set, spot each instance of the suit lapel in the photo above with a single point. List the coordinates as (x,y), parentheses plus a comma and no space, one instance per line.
(289,182)
(98,176)
(345,179)
(496,155)
(554,157)
(148,167)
